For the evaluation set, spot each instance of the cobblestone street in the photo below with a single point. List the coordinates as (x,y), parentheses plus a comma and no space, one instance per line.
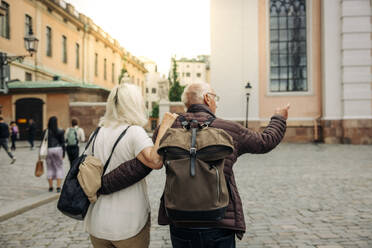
(299,195)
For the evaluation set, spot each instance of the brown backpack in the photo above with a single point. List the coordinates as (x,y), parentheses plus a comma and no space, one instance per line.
(195,188)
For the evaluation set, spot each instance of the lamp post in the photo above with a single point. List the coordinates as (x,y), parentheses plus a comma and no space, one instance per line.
(31,43)
(248,89)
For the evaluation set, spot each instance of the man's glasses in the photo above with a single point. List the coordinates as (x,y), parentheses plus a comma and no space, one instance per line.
(216,98)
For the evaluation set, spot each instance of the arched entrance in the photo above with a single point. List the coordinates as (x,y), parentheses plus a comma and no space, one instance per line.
(27,108)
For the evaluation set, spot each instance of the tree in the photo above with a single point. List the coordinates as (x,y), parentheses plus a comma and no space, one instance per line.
(176,89)
(155,111)
(122,72)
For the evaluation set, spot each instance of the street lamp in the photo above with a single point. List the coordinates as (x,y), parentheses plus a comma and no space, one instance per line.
(31,43)
(248,89)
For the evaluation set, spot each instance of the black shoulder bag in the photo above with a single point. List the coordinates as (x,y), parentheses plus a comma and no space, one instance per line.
(73,202)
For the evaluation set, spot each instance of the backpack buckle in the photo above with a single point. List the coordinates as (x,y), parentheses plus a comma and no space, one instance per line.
(193,151)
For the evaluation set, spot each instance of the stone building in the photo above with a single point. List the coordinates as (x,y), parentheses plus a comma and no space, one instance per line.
(151,82)
(315,55)
(76,64)
(193,70)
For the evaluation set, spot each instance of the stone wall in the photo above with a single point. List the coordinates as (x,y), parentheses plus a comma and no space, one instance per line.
(357,131)
(88,115)
(91,96)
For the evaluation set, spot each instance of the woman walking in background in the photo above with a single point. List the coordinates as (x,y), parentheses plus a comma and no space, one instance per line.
(14,133)
(56,153)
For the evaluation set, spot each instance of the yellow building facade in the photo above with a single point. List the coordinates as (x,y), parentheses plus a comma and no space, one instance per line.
(76,60)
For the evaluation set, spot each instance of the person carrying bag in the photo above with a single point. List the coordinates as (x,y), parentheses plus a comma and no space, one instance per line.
(43,152)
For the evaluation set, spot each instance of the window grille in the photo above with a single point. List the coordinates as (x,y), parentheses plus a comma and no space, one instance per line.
(288,55)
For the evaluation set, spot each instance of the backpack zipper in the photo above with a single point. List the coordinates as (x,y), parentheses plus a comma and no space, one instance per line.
(218,182)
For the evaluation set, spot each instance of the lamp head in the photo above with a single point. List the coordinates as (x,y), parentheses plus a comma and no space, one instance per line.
(31,42)
(248,88)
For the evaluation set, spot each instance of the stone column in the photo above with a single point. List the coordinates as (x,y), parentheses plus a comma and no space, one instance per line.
(331,67)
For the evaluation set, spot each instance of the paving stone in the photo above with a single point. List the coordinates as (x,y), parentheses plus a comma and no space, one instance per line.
(299,195)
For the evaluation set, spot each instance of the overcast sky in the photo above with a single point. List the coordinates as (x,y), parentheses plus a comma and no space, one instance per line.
(156,29)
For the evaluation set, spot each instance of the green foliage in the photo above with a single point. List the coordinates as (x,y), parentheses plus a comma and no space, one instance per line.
(122,72)
(155,111)
(176,89)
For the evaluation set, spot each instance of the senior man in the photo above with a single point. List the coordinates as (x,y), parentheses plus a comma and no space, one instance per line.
(200,100)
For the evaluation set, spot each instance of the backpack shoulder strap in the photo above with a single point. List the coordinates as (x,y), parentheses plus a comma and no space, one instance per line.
(184,122)
(112,151)
(94,135)
(76,136)
(208,122)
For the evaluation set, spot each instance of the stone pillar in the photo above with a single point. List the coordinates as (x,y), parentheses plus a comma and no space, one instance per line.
(164,106)
(331,67)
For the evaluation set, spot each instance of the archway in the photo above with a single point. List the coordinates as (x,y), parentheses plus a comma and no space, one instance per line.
(27,108)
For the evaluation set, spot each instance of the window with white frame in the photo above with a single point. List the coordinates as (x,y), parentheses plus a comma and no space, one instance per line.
(105,69)
(77,51)
(28,24)
(288,53)
(64,49)
(49,41)
(4,21)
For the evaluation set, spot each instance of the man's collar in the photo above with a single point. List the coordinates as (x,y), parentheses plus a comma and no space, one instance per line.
(200,108)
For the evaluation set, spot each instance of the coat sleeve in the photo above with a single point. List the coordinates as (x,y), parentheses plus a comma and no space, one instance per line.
(125,175)
(262,142)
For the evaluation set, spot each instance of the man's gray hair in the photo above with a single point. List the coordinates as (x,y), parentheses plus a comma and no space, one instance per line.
(194,93)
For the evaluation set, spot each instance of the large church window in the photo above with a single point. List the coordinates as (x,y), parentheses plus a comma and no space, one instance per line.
(288,55)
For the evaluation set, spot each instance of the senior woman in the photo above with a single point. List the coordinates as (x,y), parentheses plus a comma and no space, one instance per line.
(122,219)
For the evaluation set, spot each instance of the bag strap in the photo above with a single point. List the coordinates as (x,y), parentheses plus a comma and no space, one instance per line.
(112,151)
(76,136)
(45,139)
(90,140)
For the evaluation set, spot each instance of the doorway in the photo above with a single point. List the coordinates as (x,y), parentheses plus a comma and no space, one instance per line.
(27,108)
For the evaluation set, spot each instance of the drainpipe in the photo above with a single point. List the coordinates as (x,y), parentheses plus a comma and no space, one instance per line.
(316,128)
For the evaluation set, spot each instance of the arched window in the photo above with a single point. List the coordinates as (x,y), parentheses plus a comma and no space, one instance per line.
(288,55)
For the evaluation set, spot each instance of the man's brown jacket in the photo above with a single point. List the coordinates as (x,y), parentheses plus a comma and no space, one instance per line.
(245,141)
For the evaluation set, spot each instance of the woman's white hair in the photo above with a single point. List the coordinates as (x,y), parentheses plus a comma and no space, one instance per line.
(124,105)
(194,93)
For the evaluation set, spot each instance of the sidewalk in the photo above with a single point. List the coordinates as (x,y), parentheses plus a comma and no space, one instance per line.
(21,190)
(298,195)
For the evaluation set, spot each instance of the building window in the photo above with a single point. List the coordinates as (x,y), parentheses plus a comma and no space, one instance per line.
(113,73)
(183,74)
(147,90)
(187,74)
(147,104)
(105,69)
(198,74)
(64,49)
(96,64)
(28,76)
(28,24)
(288,55)
(4,21)
(77,49)
(153,90)
(49,41)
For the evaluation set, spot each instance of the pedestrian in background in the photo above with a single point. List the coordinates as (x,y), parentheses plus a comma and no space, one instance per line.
(14,134)
(31,129)
(56,153)
(4,136)
(73,136)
